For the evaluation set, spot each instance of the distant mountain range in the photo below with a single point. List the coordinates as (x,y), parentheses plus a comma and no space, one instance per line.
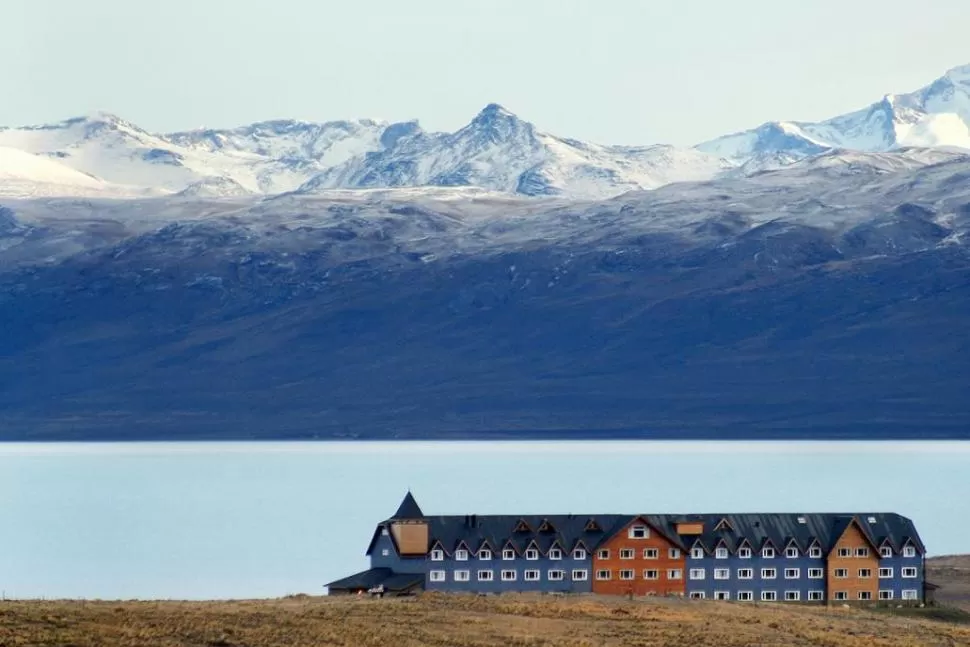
(103,155)
(370,280)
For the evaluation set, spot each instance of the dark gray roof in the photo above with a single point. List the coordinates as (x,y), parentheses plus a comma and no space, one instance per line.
(409,508)
(393,582)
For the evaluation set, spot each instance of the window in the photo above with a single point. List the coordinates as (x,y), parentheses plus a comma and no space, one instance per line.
(745,596)
(579,553)
(792,596)
(885,572)
(639,532)
(841,573)
(865,595)
(485,576)
(673,553)
(603,574)
(462,576)
(626,574)
(909,571)
(871,519)
(580,575)
(845,552)
(485,554)
(815,574)
(801,520)
(722,595)
(532,554)
(437,576)
(865,573)
(531,575)
(675,574)
(744,553)
(815,552)
(384,531)
(721,553)
(555,553)
(791,552)
(603,553)
(910,594)
(841,595)
(697,595)
(509,576)
(861,552)
(886,551)
(909,551)
(626,553)
(556,575)
(651,553)
(769,573)
(768,596)
(768,552)
(385,552)
(461,555)
(508,554)
(792,573)
(697,553)
(885,595)
(437,555)
(697,573)
(651,574)
(745,573)
(815,596)
(722,573)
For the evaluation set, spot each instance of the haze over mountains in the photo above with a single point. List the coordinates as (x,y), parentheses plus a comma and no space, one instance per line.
(367,279)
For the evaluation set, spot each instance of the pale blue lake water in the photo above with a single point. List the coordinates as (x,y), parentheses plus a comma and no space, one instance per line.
(234,520)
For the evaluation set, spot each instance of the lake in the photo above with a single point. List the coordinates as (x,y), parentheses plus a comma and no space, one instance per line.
(239,520)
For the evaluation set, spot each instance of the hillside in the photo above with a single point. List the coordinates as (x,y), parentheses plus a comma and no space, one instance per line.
(952,574)
(458,621)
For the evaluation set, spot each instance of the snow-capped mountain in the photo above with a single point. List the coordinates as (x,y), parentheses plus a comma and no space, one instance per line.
(937,115)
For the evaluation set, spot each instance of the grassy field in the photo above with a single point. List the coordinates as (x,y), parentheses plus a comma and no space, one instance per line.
(457,621)
(952,573)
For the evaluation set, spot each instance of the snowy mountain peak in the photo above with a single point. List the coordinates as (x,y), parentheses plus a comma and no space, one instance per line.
(959,75)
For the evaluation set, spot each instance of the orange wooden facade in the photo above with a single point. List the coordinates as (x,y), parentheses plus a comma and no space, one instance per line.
(852,568)
(639,565)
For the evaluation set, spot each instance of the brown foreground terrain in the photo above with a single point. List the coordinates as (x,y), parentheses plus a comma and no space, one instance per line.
(512,620)
(457,621)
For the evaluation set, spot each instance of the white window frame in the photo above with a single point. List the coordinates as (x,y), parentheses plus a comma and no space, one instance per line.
(720,552)
(862,552)
(384,531)
(722,595)
(744,553)
(673,553)
(436,576)
(886,551)
(638,531)
(745,596)
(461,555)
(910,594)
(844,573)
(555,553)
(815,552)
(509,575)
(722,573)
(532,554)
(885,572)
(791,552)
(463,576)
(508,554)
(745,573)
(844,552)
(793,573)
(885,594)
(437,555)
(865,596)
(865,573)
(603,553)
(816,573)
(697,595)
(385,552)
(841,596)
(697,553)
(769,573)
(627,553)
(580,575)
(604,574)
(697,574)
(627,574)
(768,552)
(532,575)
(909,551)
(556,575)
(489,576)
(651,553)
(647,572)
(485,554)
(909,572)
(816,596)
(675,574)
(579,554)
(793,596)
(769,596)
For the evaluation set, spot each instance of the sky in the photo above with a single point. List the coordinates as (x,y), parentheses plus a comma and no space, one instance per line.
(609,71)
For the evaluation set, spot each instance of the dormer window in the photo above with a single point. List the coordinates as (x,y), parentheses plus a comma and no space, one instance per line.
(639,532)
(744,553)
(886,551)
(721,553)
(909,551)
(532,554)
(461,555)
(522,526)
(815,552)
(723,524)
(791,552)
(555,553)
(579,553)
(592,526)
(484,554)
(508,554)
(545,526)
(768,552)
(697,553)
(437,555)
(384,531)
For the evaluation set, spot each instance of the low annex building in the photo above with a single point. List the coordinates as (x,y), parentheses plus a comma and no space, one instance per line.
(827,557)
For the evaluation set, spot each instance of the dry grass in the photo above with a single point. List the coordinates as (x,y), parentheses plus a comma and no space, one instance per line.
(952,573)
(462,621)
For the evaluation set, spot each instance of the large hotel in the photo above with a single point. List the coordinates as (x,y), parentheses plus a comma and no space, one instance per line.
(867,557)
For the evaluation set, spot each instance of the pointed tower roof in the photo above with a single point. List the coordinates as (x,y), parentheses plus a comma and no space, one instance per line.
(409,508)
